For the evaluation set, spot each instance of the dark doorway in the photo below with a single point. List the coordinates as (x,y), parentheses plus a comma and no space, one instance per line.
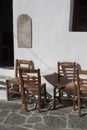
(6,33)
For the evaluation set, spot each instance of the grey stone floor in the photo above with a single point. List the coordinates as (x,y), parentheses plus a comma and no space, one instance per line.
(14,117)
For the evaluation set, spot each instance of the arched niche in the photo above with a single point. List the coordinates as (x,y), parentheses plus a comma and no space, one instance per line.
(24,31)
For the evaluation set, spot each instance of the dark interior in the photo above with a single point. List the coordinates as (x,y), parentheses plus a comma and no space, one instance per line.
(6,33)
(80,15)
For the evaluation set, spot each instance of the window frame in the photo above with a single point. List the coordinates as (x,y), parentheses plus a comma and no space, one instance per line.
(76,15)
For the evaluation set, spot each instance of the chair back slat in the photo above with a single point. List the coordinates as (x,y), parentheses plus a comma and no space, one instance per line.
(82,89)
(33,77)
(67,70)
(82,78)
(22,63)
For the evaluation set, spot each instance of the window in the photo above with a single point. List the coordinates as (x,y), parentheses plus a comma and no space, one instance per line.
(80,15)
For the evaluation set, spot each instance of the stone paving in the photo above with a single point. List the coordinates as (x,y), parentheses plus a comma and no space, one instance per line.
(14,117)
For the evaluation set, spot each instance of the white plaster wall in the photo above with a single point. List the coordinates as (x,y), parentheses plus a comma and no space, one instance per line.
(51,39)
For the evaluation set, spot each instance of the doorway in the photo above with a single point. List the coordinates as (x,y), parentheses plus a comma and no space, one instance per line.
(6,33)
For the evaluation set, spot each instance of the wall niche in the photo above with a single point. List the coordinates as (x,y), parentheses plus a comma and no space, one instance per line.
(24,31)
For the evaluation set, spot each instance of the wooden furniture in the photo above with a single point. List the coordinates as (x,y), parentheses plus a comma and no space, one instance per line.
(82,89)
(66,82)
(32,87)
(13,84)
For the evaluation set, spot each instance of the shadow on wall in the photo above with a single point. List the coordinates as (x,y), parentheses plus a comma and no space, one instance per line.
(52,79)
(32,65)
(78,66)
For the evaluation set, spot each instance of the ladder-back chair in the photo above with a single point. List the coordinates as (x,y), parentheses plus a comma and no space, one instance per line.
(32,87)
(82,89)
(65,88)
(13,85)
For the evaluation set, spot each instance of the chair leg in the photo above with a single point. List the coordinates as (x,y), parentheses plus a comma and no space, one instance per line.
(23,95)
(45,95)
(74,100)
(7,89)
(39,100)
(60,95)
(25,103)
(79,105)
(54,98)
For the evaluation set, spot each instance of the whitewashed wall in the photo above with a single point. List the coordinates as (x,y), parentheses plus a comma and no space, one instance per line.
(51,39)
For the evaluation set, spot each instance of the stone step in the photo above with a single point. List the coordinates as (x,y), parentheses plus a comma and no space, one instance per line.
(3,87)
(3,94)
(4,74)
(3,81)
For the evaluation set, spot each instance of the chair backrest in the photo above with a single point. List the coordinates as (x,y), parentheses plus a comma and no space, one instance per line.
(22,63)
(30,78)
(82,79)
(67,71)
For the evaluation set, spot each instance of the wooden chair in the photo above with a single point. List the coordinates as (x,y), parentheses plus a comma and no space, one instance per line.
(32,87)
(66,83)
(82,89)
(13,84)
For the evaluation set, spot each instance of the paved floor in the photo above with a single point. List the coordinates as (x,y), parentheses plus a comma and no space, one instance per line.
(14,117)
